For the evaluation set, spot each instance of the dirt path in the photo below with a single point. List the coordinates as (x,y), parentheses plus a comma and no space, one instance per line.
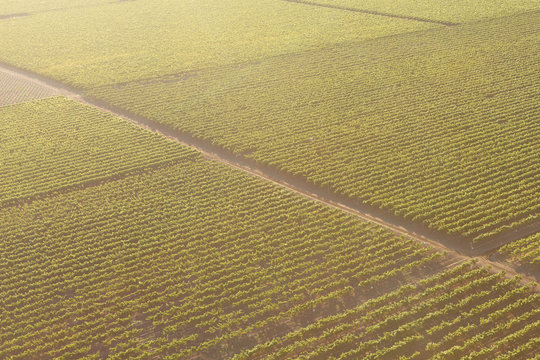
(373,12)
(451,245)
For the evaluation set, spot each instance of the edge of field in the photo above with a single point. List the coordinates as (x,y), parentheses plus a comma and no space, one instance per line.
(459,245)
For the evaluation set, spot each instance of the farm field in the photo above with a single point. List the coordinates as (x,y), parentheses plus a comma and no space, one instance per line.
(198,259)
(29,7)
(14,90)
(455,11)
(275,179)
(461,157)
(213,33)
(526,250)
(455,314)
(54,143)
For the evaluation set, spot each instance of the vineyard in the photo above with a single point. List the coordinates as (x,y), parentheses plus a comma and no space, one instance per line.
(455,11)
(14,90)
(278,179)
(526,250)
(461,313)
(188,259)
(458,157)
(214,33)
(185,259)
(56,143)
(196,259)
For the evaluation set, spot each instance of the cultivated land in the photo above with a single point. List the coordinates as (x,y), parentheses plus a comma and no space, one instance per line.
(14,90)
(56,143)
(103,44)
(452,11)
(116,242)
(415,140)
(196,259)
(526,250)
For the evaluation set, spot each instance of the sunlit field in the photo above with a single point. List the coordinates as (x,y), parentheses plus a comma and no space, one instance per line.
(272,179)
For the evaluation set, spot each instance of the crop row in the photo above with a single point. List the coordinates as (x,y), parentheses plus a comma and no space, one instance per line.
(53,143)
(198,259)
(460,312)
(215,33)
(16,90)
(526,250)
(402,124)
(191,258)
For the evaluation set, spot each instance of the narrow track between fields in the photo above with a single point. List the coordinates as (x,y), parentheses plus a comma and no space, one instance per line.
(373,12)
(298,185)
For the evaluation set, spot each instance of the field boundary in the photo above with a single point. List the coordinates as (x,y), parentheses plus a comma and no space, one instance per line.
(451,244)
(19,102)
(90,182)
(42,11)
(373,12)
(15,90)
(301,185)
(13,16)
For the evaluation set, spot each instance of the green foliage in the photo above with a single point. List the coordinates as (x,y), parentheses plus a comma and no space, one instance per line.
(526,250)
(105,42)
(191,257)
(450,314)
(118,243)
(400,123)
(54,143)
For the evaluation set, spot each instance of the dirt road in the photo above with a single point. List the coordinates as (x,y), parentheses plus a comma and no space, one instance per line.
(451,245)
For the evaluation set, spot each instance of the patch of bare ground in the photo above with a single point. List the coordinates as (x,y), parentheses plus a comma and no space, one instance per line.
(528,271)
(457,247)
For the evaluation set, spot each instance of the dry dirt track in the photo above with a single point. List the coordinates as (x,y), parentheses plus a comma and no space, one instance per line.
(372,12)
(301,186)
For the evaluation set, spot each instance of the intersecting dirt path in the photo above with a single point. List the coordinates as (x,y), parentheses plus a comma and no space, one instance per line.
(297,184)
